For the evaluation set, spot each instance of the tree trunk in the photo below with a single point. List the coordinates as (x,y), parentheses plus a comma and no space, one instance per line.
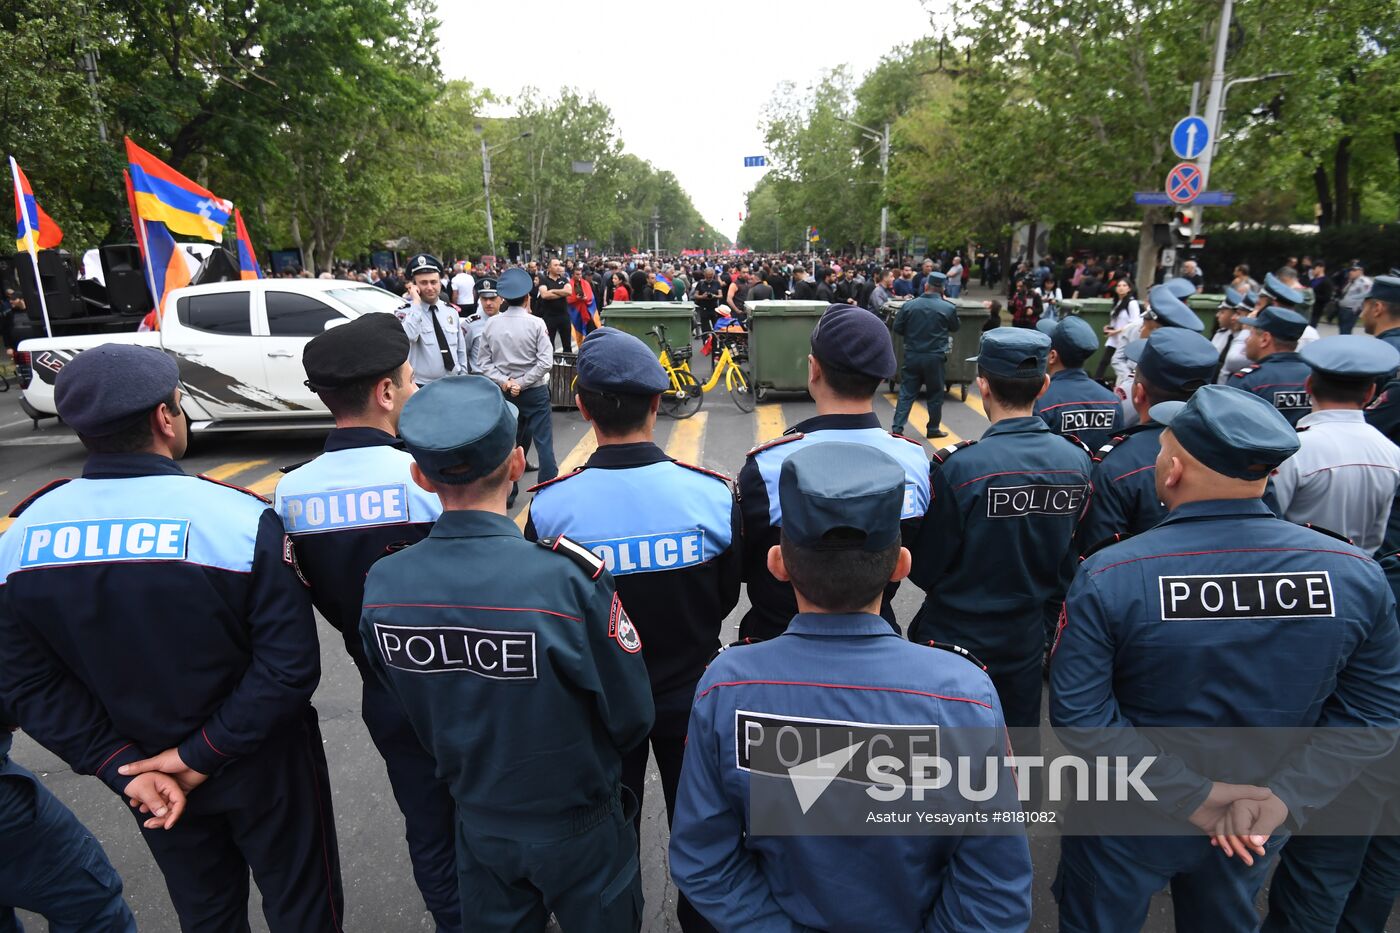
(1341,177)
(1147,253)
(1396,139)
(1325,214)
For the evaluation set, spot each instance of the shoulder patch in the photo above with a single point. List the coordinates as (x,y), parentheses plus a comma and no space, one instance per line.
(909,439)
(1106,542)
(943,453)
(246,492)
(1239,373)
(958,650)
(558,479)
(782,439)
(590,563)
(1328,532)
(34,496)
(700,469)
(621,629)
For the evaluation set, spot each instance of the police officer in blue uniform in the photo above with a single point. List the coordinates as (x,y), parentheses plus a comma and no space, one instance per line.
(155,622)
(524,680)
(1380,317)
(1006,504)
(1279,376)
(49,863)
(1076,405)
(927,324)
(345,510)
(669,532)
(851,356)
(1171,364)
(1149,639)
(835,671)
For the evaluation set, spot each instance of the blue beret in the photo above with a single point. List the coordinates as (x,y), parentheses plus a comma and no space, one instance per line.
(832,485)
(1385,288)
(1174,359)
(1013,351)
(1171,310)
(1071,337)
(108,388)
(1180,288)
(1233,299)
(1281,322)
(371,345)
(853,338)
(1275,288)
(461,423)
(1351,356)
(1231,431)
(423,262)
(514,284)
(611,361)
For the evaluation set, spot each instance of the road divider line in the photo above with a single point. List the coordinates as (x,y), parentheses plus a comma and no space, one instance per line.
(770,423)
(5,523)
(975,403)
(918,412)
(223,471)
(686,435)
(572,461)
(266,486)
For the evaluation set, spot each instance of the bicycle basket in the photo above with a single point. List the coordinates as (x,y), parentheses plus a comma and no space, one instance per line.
(738,344)
(681,353)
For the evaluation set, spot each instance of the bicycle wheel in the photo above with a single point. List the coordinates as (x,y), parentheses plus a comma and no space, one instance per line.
(739,389)
(685,398)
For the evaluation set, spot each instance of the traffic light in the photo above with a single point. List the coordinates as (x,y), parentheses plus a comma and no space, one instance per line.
(1184,224)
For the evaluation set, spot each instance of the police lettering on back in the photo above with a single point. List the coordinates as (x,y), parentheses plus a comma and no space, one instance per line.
(1246,596)
(345,508)
(104,540)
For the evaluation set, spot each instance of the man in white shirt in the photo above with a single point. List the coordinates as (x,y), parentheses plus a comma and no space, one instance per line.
(464,288)
(1230,336)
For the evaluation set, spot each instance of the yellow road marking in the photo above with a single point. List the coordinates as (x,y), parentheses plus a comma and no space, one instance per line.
(975,403)
(5,523)
(769,424)
(267,485)
(225,470)
(684,444)
(575,459)
(918,414)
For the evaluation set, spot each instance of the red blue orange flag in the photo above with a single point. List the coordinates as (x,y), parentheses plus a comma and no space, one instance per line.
(34,229)
(163,194)
(248,267)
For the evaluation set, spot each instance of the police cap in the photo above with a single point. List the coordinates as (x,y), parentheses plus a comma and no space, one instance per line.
(423,262)
(1013,351)
(109,388)
(1351,356)
(371,345)
(1232,300)
(1281,322)
(1180,288)
(611,361)
(1280,291)
(1174,359)
(486,288)
(1072,338)
(458,429)
(1171,310)
(1231,431)
(1385,288)
(937,278)
(514,284)
(837,496)
(852,338)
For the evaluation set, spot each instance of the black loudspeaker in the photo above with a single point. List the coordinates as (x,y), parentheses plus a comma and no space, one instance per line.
(219,266)
(59,274)
(513,250)
(127,289)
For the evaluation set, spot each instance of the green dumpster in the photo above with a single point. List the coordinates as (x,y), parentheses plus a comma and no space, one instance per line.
(1204,306)
(1095,312)
(639,317)
(780,337)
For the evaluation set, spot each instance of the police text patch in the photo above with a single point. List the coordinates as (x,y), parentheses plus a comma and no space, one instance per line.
(99,540)
(670,550)
(338,509)
(1300,594)
(439,650)
(1087,419)
(1034,499)
(1292,400)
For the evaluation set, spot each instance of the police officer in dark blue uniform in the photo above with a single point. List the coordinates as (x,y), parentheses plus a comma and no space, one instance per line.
(49,863)
(836,671)
(146,613)
(1279,376)
(1380,316)
(1171,364)
(993,556)
(927,324)
(523,678)
(1189,625)
(669,532)
(345,510)
(1076,405)
(851,356)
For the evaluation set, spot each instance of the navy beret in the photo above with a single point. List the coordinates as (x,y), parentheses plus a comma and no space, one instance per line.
(1174,359)
(1013,351)
(423,262)
(1171,310)
(853,338)
(108,388)
(461,424)
(1071,337)
(1351,356)
(371,345)
(1231,431)
(832,485)
(1180,288)
(611,361)
(1283,323)
(1385,288)
(1277,289)
(514,284)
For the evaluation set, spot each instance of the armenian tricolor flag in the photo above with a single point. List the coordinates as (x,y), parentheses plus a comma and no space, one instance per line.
(34,230)
(166,269)
(663,284)
(248,267)
(163,194)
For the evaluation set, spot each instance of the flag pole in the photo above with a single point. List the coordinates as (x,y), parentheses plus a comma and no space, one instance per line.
(30,241)
(146,264)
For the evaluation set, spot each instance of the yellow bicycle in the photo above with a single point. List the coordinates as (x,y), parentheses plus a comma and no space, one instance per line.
(676,362)
(685,396)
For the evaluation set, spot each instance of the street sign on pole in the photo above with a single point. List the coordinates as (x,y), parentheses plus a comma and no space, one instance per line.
(1204,199)
(754,161)
(1169,257)
(1185,183)
(1190,137)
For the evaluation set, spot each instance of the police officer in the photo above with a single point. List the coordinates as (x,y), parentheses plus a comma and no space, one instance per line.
(1009,500)
(1345,474)
(837,668)
(1145,642)
(1168,308)
(524,679)
(851,356)
(1279,375)
(1380,316)
(153,621)
(926,323)
(1171,364)
(345,510)
(438,344)
(1076,405)
(488,303)
(626,504)
(1230,336)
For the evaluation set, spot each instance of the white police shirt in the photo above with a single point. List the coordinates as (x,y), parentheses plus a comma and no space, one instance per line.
(424,355)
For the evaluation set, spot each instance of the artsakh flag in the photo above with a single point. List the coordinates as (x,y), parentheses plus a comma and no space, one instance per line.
(248,267)
(163,194)
(583,311)
(663,284)
(34,230)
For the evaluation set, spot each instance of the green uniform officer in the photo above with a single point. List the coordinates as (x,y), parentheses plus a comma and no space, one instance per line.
(926,323)
(524,679)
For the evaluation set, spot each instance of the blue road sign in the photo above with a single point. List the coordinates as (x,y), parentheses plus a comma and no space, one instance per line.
(754,161)
(1204,199)
(1190,137)
(1185,183)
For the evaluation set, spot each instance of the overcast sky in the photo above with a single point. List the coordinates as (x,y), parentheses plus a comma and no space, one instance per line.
(667,70)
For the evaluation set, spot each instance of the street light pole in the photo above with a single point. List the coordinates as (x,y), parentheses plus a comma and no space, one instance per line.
(486,178)
(883,138)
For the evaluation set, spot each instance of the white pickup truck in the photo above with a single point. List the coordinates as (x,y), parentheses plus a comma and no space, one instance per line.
(238,345)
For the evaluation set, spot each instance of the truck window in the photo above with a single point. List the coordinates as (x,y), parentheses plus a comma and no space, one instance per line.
(293,315)
(217,313)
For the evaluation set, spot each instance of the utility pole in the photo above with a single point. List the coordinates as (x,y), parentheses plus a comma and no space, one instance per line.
(883,138)
(656,231)
(486,177)
(1215,97)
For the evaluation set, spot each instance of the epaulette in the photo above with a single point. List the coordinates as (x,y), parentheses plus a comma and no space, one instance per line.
(558,479)
(294,466)
(941,455)
(959,650)
(1106,542)
(246,492)
(591,563)
(1243,372)
(33,496)
(1074,439)
(909,439)
(699,469)
(1328,532)
(781,439)
(1301,429)
(723,648)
